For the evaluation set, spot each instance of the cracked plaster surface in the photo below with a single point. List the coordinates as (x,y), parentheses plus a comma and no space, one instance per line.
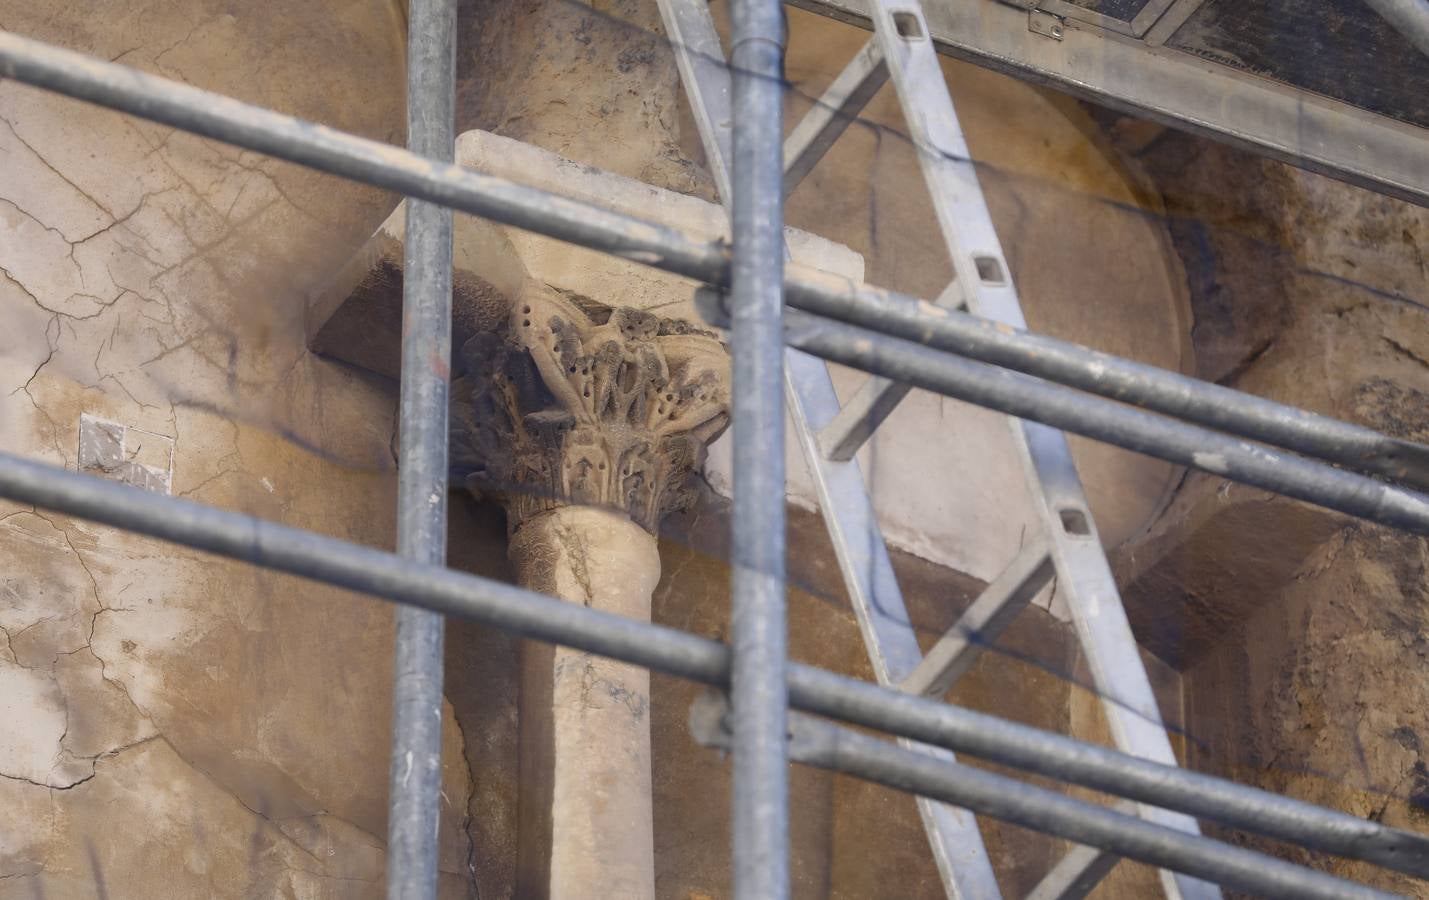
(157,280)
(160,302)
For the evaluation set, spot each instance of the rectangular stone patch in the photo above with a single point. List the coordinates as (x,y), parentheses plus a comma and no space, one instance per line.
(127,455)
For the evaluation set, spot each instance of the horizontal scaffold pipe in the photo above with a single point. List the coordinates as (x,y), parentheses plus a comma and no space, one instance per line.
(357,158)
(391,577)
(383,165)
(1064,408)
(818,743)
(1169,393)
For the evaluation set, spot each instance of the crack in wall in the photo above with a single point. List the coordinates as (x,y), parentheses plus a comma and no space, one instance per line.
(94,773)
(64,757)
(635,702)
(1406,352)
(96,758)
(273,825)
(10,648)
(575,550)
(467,818)
(10,125)
(159,309)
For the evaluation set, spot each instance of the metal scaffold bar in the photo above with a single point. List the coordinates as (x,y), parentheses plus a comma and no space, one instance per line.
(1069,410)
(361,159)
(1062,408)
(758,627)
(874,401)
(1170,393)
(391,577)
(825,746)
(442,591)
(383,165)
(415,779)
(892,645)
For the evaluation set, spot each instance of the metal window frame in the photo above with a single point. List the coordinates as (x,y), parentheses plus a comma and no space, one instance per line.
(426,585)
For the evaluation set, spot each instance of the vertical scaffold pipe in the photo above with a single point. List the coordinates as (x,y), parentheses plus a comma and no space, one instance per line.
(414,786)
(758,627)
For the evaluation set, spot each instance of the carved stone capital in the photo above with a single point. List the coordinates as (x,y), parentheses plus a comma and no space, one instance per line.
(574,405)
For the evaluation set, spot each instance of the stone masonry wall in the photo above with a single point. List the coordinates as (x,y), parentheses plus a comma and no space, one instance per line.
(1301,634)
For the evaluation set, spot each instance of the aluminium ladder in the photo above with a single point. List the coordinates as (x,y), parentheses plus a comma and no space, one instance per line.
(830,435)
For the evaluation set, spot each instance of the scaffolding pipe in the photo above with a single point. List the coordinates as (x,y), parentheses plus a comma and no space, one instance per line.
(363,569)
(385,575)
(758,622)
(415,777)
(1070,410)
(817,743)
(1169,393)
(357,158)
(1049,812)
(382,165)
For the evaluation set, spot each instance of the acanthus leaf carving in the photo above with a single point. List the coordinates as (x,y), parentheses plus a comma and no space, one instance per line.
(606,407)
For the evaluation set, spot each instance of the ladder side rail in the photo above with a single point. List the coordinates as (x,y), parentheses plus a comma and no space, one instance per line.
(956,842)
(980,269)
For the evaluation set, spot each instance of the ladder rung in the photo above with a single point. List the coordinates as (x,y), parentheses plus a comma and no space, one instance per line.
(1079,872)
(980,625)
(875,401)
(832,113)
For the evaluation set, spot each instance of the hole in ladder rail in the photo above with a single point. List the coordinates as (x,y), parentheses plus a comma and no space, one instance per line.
(989,269)
(908,25)
(1075,522)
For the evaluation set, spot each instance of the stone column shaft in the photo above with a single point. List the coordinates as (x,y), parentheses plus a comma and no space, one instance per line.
(585,719)
(586,423)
